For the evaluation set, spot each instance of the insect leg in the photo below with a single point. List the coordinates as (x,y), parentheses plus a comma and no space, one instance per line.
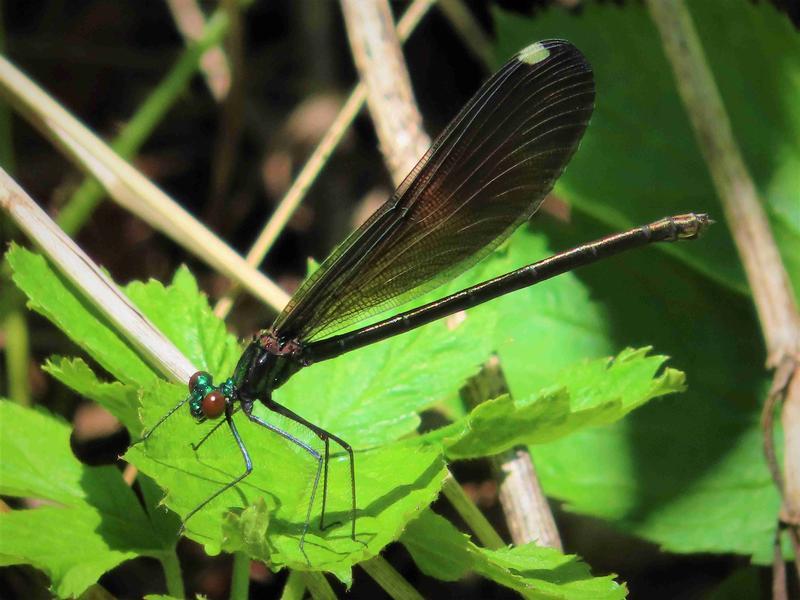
(286,435)
(324,435)
(149,432)
(211,431)
(248,465)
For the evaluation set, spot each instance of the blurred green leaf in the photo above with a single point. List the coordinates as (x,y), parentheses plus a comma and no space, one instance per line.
(95,510)
(119,399)
(639,160)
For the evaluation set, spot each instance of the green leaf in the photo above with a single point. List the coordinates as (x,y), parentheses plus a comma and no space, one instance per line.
(441,551)
(393,485)
(54,297)
(590,394)
(373,395)
(119,399)
(181,312)
(538,572)
(96,511)
(714,471)
(626,172)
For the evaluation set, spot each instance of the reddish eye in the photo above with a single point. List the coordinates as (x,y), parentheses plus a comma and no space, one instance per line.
(213,404)
(201,377)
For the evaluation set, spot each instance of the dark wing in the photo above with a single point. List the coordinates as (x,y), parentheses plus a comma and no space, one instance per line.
(484,176)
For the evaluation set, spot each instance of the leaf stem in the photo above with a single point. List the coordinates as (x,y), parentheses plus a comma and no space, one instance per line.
(173,575)
(471,514)
(317,585)
(389,579)
(15,327)
(240,578)
(294,588)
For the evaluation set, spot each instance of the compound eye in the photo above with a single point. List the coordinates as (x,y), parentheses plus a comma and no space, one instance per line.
(199,378)
(213,404)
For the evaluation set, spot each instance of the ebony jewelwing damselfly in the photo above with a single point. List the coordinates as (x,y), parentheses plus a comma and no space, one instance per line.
(485,175)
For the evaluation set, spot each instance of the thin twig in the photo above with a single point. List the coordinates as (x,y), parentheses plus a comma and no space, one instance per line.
(315,163)
(391,102)
(127,186)
(376,47)
(791,449)
(96,286)
(772,292)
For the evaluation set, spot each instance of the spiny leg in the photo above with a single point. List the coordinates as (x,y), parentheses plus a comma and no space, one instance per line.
(324,435)
(149,432)
(196,446)
(324,485)
(286,435)
(247,463)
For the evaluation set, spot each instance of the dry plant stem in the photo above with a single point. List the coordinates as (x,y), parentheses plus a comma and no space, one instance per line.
(468,29)
(775,304)
(397,120)
(380,64)
(772,293)
(779,591)
(191,22)
(524,504)
(379,59)
(311,169)
(127,186)
(790,413)
(95,285)
(389,579)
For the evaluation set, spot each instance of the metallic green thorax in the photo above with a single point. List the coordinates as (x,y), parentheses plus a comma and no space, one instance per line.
(203,386)
(265,365)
